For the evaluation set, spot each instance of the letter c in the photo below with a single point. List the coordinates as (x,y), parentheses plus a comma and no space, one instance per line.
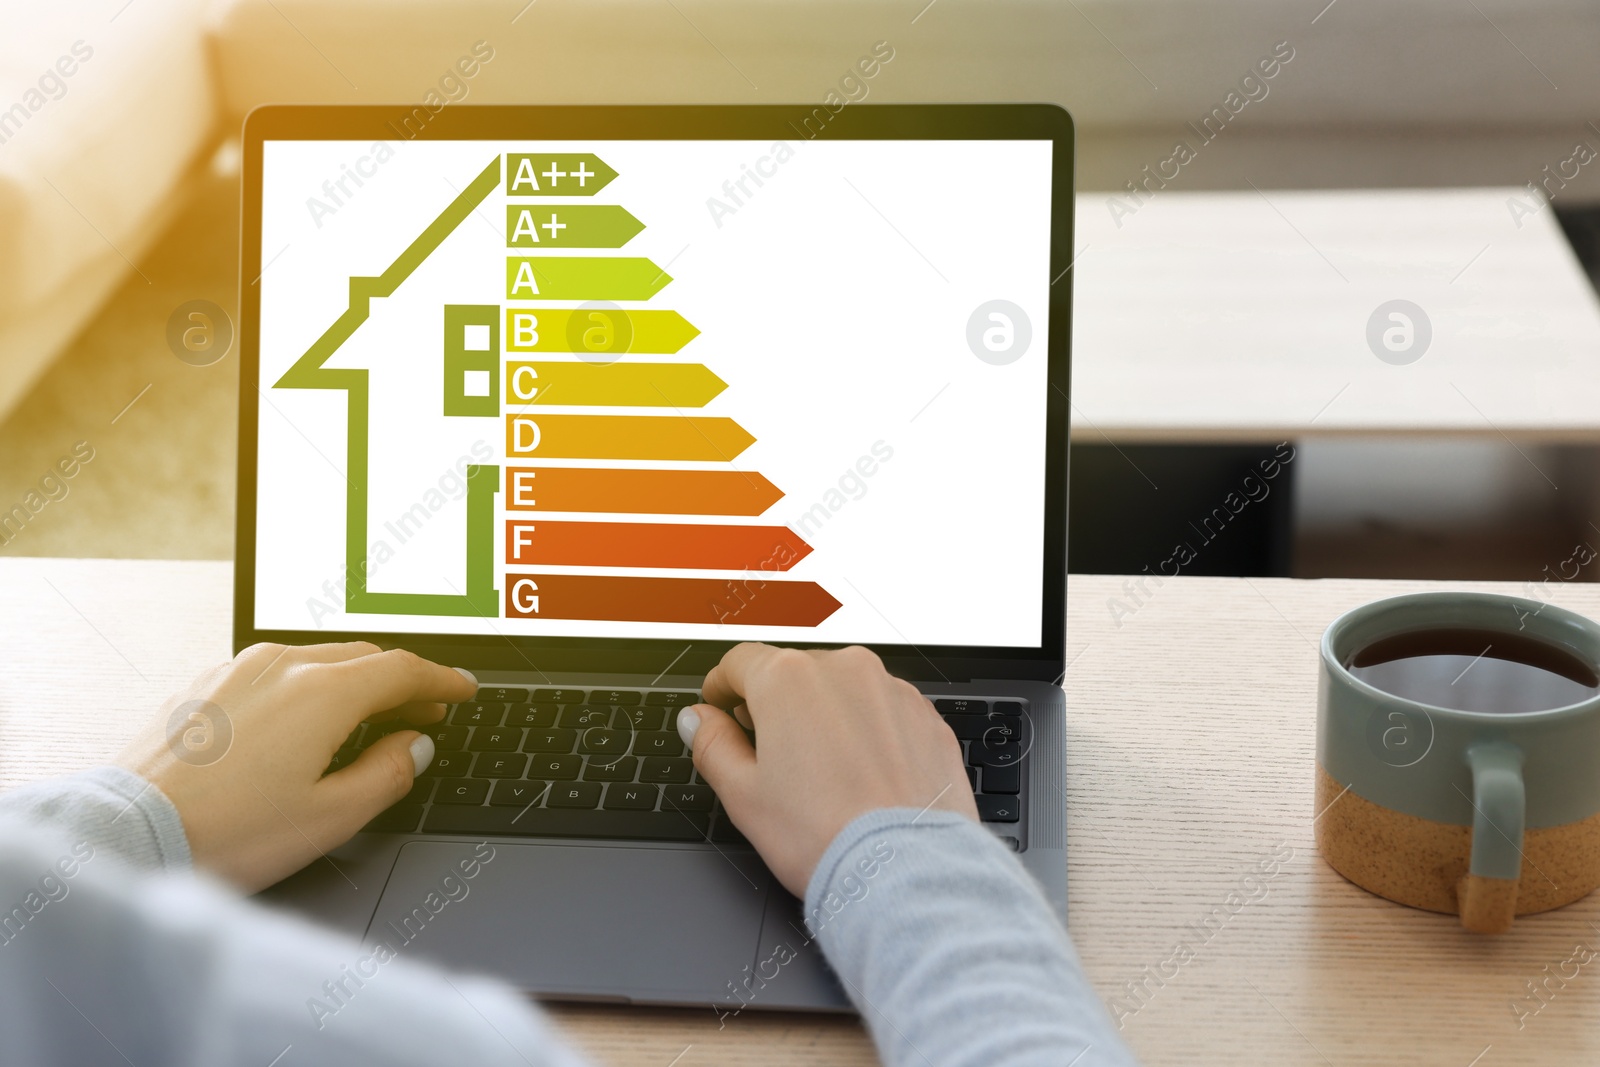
(520,391)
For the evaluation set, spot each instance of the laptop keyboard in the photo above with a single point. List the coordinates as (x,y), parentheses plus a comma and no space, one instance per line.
(608,763)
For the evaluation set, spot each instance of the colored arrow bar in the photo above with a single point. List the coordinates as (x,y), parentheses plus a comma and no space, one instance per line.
(583,278)
(653,544)
(677,437)
(569,226)
(650,385)
(555,174)
(596,330)
(638,492)
(750,602)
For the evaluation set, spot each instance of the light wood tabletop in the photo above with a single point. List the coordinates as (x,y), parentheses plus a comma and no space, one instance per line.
(1236,317)
(1191,715)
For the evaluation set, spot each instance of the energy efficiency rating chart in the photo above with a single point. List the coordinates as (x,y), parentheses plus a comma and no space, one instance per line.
(582,376)
(689,391)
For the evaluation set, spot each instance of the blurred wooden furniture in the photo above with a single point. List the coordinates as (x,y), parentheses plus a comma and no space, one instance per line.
(1241,317)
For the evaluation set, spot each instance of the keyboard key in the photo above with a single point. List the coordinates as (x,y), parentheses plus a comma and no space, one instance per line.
(636,797)
(968,727)
(342,758)
(558,696)
(502,696)
(1002,728)
(373,732)
(658,743)
(611,768)
(354,739)
(670,769)
(539,716)
(998,809)
(638,718)
(574,795)
(1008,707)
(972,778)
(613,696)
(477,713)
(672,700)
(520,794)
(555,768)
(687,798)
(500,765)
(464,791)
(552,740)
(994,752)
(1002,779)
(495,739)
(555,822)
(421,791)
(583,717)
(447,738)
(723,832)
(962,706)
(449,765)
(602,741)
(400,819)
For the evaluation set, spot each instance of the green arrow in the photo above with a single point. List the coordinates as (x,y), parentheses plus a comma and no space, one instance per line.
(583,278)
(556,174)
(569,226)
(596,329)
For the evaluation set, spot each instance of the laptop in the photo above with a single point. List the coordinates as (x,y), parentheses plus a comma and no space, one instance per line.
(577,398)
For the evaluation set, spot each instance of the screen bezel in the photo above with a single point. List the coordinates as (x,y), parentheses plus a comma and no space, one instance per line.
(670,122)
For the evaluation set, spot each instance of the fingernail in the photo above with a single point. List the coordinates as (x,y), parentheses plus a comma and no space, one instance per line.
(468,675)
(421,753)
(688,723)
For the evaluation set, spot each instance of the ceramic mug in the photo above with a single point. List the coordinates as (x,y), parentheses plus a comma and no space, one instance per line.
(1484,815)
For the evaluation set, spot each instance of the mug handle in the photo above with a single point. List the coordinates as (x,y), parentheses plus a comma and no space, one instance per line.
(1486,895)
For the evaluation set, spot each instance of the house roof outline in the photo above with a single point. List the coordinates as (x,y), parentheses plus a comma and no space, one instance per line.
(480,599)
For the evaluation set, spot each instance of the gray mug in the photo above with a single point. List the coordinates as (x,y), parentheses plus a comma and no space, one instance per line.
(1484,815)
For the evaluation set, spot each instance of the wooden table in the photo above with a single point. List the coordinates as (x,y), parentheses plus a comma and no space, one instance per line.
(1240,317)
(1191,739)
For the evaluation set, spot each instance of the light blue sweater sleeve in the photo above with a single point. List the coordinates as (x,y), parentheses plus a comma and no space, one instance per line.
(114,810)
(950,951)
(103,963)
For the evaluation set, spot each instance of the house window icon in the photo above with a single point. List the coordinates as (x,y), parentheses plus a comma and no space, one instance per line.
(472,360)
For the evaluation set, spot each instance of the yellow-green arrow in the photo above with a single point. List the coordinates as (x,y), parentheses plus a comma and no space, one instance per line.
(569,226)
(583,278)
(596,330)
(648,385)
(556,174)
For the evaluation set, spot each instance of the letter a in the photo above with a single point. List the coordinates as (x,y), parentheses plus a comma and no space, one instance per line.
(525,278)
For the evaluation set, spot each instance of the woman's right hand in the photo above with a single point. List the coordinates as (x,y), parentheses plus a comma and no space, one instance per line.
(838,737)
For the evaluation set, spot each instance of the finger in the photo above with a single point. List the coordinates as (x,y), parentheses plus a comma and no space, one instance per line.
(721,753)
(353,796)
(384,680)
(727,684)
(418,713)
(333,651)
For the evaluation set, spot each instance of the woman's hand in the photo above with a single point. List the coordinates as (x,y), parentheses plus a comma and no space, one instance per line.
(839,737)
(241,752)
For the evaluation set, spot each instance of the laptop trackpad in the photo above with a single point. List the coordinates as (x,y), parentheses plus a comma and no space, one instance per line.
(578,920)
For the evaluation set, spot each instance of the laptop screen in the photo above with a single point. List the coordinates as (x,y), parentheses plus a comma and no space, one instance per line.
(707,390)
